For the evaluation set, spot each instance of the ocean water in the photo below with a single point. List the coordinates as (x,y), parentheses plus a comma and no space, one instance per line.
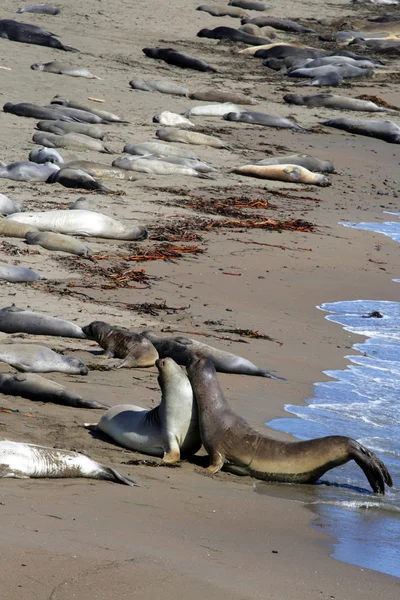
(363,402)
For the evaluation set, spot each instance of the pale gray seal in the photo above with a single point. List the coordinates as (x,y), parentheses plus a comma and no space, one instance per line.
(77,141)
(172,57)
(156,166)
(105,115)
(62,127)
(59,69)
(58,242)
(18,274)
(291,173)
(170,119)
(302,160)
(45,155)
(24,461)
(43,9)
(158,148)
(197,165)
(32,358)
(168,430)
(382,130)
(28,171)
(7,206)
(259,118)
(99,170)
(233,444)
(19,320)
(190,137)
(159,85)
(54,113)
(134,348)
(332,101)
(37,388)
(330,79)
(344,71)
(277,23)
(215,95)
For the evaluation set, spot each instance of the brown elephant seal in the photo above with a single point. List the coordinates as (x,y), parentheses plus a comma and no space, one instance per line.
(19,320)
(168,430)
(302,160)
(134,348)
(180,349)
(24,461)
(31,358)
(179,59)
(277,23)
(250,5)
(37,388)
(59,69)
(62,127)
(232,443)
(264,119)
(12,229)
(285,172)
(163,86)
(57,242)
(99,170)
(221,96)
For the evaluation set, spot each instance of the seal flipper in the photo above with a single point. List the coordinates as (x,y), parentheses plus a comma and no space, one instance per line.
(129,361)
(264,373)
(113,475)
(172,453)
(374,469)
(216,462)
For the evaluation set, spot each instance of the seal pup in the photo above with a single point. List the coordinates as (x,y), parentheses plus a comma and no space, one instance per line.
(168,430)
(222,96)
(156,167)
(35,111)
(180,349)
(57,242)
(18,274)
(283,172)
(77,179)
(63,127)
(382,130)
(43,9)
(134,348)
(81,222)
(179,59)
(13,229)
(37,388)
(32,358)
(29,34)
(232,443)
(221,10)
(259,118)
(232,34)
(162,86)
(302,160)
(19,320)
(105,115)
(45,155)
(59,69)
(28,171)
(190,137)
(212,110)
(170,119)
(25,461)
(146,148)
(333,101)
(7,206)
(71,140)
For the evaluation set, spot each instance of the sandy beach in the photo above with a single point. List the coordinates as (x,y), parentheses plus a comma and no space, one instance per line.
(183,532)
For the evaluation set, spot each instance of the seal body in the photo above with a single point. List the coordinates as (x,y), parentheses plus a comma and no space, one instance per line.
(30,34)
(70,140)
(28,171)
(158,148)
(7,206)
(45,155)
(170,119)
(134,348)
(63,127)
(72,177)
(212,110)
(283,172)
(18,274)
(179,59)
(24,461)
(222,96)
(250,4)
(258,118)
(333,101)
(343,70)
(169,430)
(221,10)
(232,443)
(14,229)
(277,23)
(19,320)
(37,388)
(155,167)
(99,170)
(197,165)
(59,69)
(53,113)
(57,242)
(234,35)
(42,9)
(31,358)
(104,115)
(159,85)
(189,137)
(303,160)
(382,130)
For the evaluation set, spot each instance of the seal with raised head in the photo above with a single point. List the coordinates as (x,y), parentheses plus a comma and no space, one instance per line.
(168,430)
(31,358)
(37,388)
(233,444)
(382,130)
(334,101)
(59,69)
(18,274)
(179,59)
(190,137)
(57,242)
(63,127)
(134,348)
(25,461)
(19,320)
(283,172)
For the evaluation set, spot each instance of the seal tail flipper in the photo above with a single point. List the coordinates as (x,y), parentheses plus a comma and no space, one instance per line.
(113,475)
(69,49)
(91,426)
(108,150)
(374,469)
(129,361)
(264,373)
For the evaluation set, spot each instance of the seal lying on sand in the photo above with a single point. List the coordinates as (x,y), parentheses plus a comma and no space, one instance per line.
(283,172)
(31,358)
(63,127)
(58,242)
(382,130)
(158,148)
(333,101)
(170,119)
(234,35)
(259,118)
(24,461)
(53,113)
(70,140)
(46,155)
(159,85)
(104,115)
(180,349)
(37,388)
(232,443)
(212,110)
(172,57)
(30,34)
(220,10)
(134,348)
(42,9)
(77,179)
(168,430)
(302,160)
(59,69)
(28,171)
(156,167)
(190,137)
(250,5)
(99,170)
(18,274)
(7,206)
(221,96)
(19,320)
(13,229)
(276,23)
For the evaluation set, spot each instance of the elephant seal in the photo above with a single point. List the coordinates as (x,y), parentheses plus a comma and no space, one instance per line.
(197,165)
(156,167)
(180,349)
(344,71)
(302,160)
(259,118)
(42,9)
(267,32)
(18,274)
(134,348)
(330,79)
(29,34)
(212,110)
(32,358)
(25,461)
(81,222)
(170,119)
(99,170)
(283,172)
(332,101)
(19,320)
(57,242)
(159,85)
(59,69)
(63,127)
(13,229)
(168,430)
(220,10)
(83,204)
(51,113)
(7,206)
(28,171)
(45,155)
(232,34)
(250,5)
(382,130)
(232,443)
(107,117)
(37,388)
(276,23)
(190,137)
(310,63)
(77,179)
(221,96)
(70,140)
(179,59)
(158,148)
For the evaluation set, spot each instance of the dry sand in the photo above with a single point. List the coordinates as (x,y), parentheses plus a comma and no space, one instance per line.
(183,533)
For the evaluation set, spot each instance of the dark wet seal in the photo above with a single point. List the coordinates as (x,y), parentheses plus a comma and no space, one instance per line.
(375,314)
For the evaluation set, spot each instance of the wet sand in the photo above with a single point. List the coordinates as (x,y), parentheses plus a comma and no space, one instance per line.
(183,532)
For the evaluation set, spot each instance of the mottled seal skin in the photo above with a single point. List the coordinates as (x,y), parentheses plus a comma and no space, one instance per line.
(179,59)
(168,430)
(156,166)
(59,69)
(159,85)
(77,179)
(258,118)
(333,101)
(99,170)
(220,10)
(71,140)
(158,148)
(134,348)
(32,358)
(276,23)
(7,206)
(181,348)
(13,229)
(28,171)
(233,444)
(43,9)
(57,242)
(46,155)
(18,274)
(29,34)
(234,35)
(35,111)
(189,137)
(105,115)
(302,160)
(63,127)
(37,388)
(382,130)
(221,96)
(19,320)
(24,461)
(283,172)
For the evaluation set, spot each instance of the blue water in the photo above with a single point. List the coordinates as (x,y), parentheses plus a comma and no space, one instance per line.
(363,402)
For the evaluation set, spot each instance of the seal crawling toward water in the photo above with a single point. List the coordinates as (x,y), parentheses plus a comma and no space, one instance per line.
(19,320)
(168,430)
(24,461)
(232,443)
(134,348)
(32,358)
